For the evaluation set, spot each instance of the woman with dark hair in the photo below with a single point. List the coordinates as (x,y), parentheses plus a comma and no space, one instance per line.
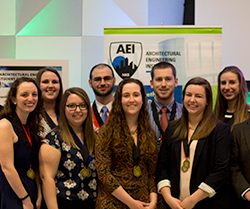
(19,141)
(66,157)
(231,104)
(126,152)
(50,83)
(193,163)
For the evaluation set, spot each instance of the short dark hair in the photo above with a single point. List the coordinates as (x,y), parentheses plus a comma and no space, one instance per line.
(163,65)
(100,66)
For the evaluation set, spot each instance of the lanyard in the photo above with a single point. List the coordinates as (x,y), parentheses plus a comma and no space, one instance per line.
(136,152)
(50,121)
(27,133)
(97,115)
(83,149)
(156,116)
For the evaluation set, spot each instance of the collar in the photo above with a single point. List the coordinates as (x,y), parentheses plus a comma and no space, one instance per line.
(100,105)
(159,105)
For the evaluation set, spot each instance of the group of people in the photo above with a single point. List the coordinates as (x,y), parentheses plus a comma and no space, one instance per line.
(59,151)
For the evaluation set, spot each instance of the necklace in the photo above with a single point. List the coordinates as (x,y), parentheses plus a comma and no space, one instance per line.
(134,132)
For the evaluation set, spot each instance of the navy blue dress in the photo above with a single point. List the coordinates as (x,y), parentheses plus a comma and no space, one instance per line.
(70,184)
(8,198)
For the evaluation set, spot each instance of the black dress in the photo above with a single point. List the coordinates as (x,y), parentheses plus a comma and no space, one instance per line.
(8,198)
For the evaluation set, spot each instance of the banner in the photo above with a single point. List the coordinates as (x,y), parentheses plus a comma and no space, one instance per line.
(11,69)
(194,51)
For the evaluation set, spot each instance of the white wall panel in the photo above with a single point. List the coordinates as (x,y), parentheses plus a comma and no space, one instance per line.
(233,16)
(68,48)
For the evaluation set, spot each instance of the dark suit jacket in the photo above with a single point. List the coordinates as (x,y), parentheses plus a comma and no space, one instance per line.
(240,160)
(211,165)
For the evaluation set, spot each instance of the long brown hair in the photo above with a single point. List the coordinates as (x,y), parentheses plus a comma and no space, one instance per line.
(116,130)
(207,123)
(34,118)
(87,125)
(38,81)
(241,106)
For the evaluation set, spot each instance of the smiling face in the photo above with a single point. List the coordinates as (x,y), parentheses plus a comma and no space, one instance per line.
(26,98)
(195,100)
(102,81)
(229,86)
(164,84)
(131,99)
(78,116)
(49,86)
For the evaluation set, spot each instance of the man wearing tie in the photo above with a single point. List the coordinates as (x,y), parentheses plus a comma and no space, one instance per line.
(102,81)
(163,108)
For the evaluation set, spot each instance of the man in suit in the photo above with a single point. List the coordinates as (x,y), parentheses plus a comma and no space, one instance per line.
(240,163)
(102,81)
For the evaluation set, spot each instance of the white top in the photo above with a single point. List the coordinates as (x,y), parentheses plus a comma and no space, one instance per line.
(99,107)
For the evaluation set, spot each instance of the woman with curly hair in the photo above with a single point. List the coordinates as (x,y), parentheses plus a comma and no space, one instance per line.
(231,105)
(19,141)
(126,152)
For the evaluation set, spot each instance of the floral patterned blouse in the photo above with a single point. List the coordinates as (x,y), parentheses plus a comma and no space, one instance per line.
(70,183)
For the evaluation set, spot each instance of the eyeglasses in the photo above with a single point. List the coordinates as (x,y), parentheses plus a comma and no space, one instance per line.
(105,78)
(72,107)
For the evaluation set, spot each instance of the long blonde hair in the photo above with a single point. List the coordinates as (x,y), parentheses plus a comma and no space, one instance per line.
(87,125)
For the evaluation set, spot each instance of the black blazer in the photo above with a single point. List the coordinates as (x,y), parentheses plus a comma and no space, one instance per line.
(211,165)
(240,160)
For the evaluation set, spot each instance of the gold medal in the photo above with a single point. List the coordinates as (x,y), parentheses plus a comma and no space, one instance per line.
(184,169)
(186,163)
(31,174)
(137,171)
(84,172)
(185,166)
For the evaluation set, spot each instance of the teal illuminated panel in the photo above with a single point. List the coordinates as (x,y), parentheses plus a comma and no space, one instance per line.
(57,18)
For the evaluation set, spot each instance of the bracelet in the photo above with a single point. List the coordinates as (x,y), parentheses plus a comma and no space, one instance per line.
(24,197)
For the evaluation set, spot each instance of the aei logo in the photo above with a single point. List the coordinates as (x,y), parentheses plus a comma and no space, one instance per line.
(125,57)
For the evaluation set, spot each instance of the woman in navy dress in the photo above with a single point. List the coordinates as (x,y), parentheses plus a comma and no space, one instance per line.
(19,126)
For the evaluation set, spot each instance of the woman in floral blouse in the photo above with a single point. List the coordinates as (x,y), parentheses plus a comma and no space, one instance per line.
(66,157)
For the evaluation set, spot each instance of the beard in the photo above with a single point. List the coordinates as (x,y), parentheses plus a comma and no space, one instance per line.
(164,97)
(103,94)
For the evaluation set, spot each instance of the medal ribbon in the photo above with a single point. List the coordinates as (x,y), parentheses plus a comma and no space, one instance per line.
(186,147)
(50,121)
(97,115)
(27,133)
(83,149)
(136,152)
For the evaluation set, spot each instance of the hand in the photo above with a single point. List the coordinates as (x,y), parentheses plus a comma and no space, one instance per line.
(174,203)
(188,203)
(152,205)
(96,130)
(39,202)
(138,205)
(27,204)
(247,195)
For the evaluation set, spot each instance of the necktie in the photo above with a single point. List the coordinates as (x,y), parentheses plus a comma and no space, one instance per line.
(104,113)
(164,118)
